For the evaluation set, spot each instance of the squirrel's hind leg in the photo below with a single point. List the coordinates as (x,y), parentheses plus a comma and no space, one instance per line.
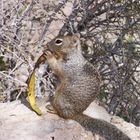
(50,109)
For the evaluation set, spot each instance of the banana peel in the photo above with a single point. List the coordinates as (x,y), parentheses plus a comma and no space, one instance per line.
(31,85)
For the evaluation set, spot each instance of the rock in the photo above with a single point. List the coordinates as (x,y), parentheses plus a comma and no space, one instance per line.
(17,122)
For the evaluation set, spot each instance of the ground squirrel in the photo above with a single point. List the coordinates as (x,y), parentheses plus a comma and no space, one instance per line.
(79,84)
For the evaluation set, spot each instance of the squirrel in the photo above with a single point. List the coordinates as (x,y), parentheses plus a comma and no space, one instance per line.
(78,86)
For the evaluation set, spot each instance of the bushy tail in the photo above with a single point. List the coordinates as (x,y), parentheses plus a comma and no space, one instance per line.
(103,128)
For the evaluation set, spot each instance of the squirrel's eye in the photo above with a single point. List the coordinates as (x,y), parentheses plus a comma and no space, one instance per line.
(58,41)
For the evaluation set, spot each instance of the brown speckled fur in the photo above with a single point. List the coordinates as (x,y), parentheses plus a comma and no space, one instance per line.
(80,84)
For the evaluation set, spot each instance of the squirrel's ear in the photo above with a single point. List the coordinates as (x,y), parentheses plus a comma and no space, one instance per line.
(77,35)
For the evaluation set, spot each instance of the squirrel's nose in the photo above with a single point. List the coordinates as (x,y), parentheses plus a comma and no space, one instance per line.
(47,51)
(47,48)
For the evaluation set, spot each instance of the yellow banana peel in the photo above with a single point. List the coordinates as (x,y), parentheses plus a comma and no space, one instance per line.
(31,86)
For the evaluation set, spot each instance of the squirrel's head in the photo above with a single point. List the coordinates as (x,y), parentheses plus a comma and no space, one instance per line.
(64,45)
